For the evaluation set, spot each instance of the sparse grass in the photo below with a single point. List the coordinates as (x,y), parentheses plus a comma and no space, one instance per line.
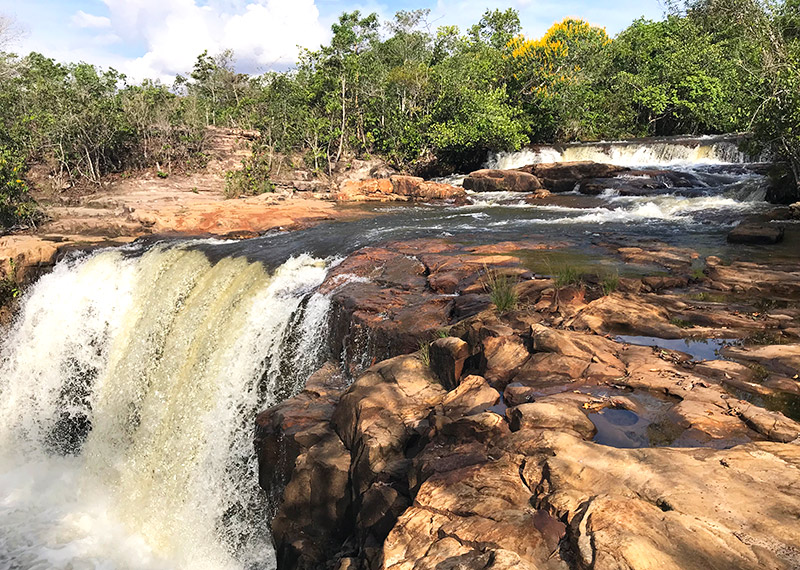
(162,174)
(442,333)
(708,297)
(698,274)
(501,290)
(425,352)
(764,305)
(567,275)
(682,323)
(609,283)
(761,373)
(763,337)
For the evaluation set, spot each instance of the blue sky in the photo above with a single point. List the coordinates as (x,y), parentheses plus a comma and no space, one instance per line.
(159,38)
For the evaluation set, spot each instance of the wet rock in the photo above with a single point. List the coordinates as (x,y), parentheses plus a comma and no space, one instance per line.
(488,180)
(564,176)
(756,234)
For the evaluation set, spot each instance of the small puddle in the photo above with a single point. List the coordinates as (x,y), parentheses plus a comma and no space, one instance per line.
(698,349)
(617,427)
(644,425)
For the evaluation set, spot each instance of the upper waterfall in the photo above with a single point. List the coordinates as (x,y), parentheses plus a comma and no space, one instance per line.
(666,151)
(129,382)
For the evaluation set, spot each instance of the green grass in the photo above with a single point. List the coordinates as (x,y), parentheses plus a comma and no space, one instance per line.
(698,274)
(424,352)
(682,323)
(763,338)
(609,283)
(567,275)
(501,290)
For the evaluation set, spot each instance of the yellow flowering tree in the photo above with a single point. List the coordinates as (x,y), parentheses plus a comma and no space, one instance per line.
(555,75)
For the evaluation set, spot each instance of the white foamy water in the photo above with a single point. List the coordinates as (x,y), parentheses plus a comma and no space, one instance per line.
(168,358)
(664,153)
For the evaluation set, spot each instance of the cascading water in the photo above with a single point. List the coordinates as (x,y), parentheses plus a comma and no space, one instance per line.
(667,152)
(128,387)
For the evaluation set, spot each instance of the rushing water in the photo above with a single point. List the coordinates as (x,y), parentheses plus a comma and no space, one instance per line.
(129,387)
(131,377)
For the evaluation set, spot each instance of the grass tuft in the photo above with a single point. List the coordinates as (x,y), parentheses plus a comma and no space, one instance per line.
(501,290)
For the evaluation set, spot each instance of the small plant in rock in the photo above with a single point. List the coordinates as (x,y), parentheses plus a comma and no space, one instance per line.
(682,323)
(698,274)
(568,275)
(442,333)
(424,353)
(609,283)
(501,290)
(161,174)
(764,338)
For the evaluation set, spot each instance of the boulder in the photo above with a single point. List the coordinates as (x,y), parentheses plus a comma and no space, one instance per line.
(562,416)
(447,357)
(565,176)
(397,188)
(489,180)
(753,234)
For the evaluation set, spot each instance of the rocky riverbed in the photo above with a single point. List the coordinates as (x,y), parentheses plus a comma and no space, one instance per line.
(540,437)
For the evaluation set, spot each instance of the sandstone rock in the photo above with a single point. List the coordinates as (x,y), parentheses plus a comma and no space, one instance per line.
(564,176)
(473,395)
(625,314)
(447,357)
(488,180)
(22,257)
(562,416)
(755,234)
(395,188)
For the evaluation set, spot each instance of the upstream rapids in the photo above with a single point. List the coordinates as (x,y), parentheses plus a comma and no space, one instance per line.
(130,378)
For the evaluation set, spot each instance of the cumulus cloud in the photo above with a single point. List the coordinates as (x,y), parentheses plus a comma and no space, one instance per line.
(263,33)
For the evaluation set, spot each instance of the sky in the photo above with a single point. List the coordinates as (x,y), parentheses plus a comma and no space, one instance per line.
(158,39)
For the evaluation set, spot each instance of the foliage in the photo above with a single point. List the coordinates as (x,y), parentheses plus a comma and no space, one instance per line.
(251,180)
(17,208)
(417,95)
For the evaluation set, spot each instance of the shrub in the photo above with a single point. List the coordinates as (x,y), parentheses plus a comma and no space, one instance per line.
(17,208)
(251,180)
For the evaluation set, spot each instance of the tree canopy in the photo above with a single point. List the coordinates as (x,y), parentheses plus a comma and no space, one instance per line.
(425,99)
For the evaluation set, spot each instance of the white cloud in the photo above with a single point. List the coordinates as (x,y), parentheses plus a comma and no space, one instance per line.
(84,20)
(263,33)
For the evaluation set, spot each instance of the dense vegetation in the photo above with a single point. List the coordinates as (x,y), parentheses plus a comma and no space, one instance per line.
(422,99)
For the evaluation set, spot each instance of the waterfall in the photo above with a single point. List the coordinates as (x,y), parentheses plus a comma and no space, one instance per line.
(128,387)
(676,151)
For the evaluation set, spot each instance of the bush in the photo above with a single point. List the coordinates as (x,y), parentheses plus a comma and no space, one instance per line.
(501,290)
(251,180)
(17,208)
